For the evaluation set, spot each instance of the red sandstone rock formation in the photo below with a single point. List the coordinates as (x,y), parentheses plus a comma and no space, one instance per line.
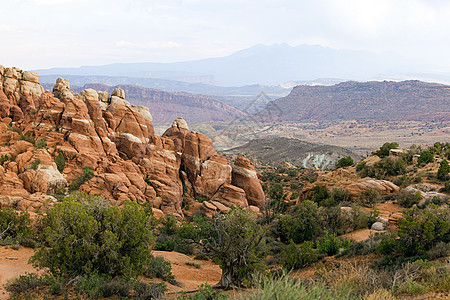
(245,177)
(114,138)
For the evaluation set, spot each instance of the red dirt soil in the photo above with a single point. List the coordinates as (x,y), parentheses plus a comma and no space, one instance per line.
(12,264)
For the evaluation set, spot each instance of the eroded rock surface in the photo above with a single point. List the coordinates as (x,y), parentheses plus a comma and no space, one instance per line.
(117,141)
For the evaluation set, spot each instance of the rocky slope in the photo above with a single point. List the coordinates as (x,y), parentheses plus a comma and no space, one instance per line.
(166,106)
(116,139)
(300,153)
(375,100)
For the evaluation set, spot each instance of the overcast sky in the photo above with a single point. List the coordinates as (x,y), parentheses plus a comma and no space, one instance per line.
(70,33)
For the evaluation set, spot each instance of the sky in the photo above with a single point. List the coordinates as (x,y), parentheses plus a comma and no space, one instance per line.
(71,33)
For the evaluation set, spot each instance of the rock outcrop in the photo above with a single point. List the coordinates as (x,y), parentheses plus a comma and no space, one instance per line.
(382,186)
(103,134)
(245,177)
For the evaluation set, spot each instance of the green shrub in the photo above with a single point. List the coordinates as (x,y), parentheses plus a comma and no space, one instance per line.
(388,244)
(335,220)
(384,150)
(87,174)
(320,193)
(425,157)
(24,283)
(4,158)
(292,173)
(164,242)
(169,225)
(236,242)
(200,199)
(344,162)
(205,292)
(149,290)
(360,218)
(40,144)
(302,224)
(14,225)
(29,138)
(35,164)
(390,166)
(369,197)
(420,230)
(91,285)
(159,268)
(443,170)
(294,195)
(290,288)
(60,162)
(368,246)
(330,244)
(15,129)
(360,166)
(408,198)
(340,195)
(293,258)
(89,235)
(116,287)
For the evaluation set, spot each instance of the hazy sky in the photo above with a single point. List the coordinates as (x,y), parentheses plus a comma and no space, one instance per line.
(69,33)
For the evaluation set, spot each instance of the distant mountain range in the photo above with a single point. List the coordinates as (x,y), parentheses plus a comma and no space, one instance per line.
(270,66)
(379,101)
(239,97)
(167,106)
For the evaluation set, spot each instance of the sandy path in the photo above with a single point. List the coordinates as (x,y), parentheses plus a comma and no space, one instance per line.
(189,276)
(12,264)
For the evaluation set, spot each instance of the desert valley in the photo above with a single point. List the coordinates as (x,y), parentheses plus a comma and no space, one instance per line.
(212,150)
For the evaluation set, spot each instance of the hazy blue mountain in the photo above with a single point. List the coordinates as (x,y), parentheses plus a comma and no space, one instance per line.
(266,65)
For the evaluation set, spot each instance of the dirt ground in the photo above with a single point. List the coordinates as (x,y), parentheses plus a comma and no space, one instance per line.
(189,276)
(12,264)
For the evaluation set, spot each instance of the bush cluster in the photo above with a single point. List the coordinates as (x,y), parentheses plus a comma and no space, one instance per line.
(344,162)
(303,223)
(86,234)
(14,226)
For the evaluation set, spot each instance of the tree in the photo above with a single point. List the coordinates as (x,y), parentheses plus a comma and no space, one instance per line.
(235,242)
(344,162)
(443,170)
(425,157)
(13,224)
(384,150)
(419,230)
(60,162)
(302,224)
(86,234)
(321,193)
(369,197)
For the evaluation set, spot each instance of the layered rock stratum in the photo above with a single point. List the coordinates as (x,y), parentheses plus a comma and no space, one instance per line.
(103,131)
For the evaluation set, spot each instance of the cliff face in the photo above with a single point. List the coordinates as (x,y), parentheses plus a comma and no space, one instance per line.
(387,100)
(105,132)
(166,106)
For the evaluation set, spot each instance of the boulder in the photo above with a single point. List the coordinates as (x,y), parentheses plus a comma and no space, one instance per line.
(382,186)
(177,132)
(31,76)
(379,226)
(393,218)
(205,169)
(11,189)
(36,203)
(245,177)
(230,195)
(120,93)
